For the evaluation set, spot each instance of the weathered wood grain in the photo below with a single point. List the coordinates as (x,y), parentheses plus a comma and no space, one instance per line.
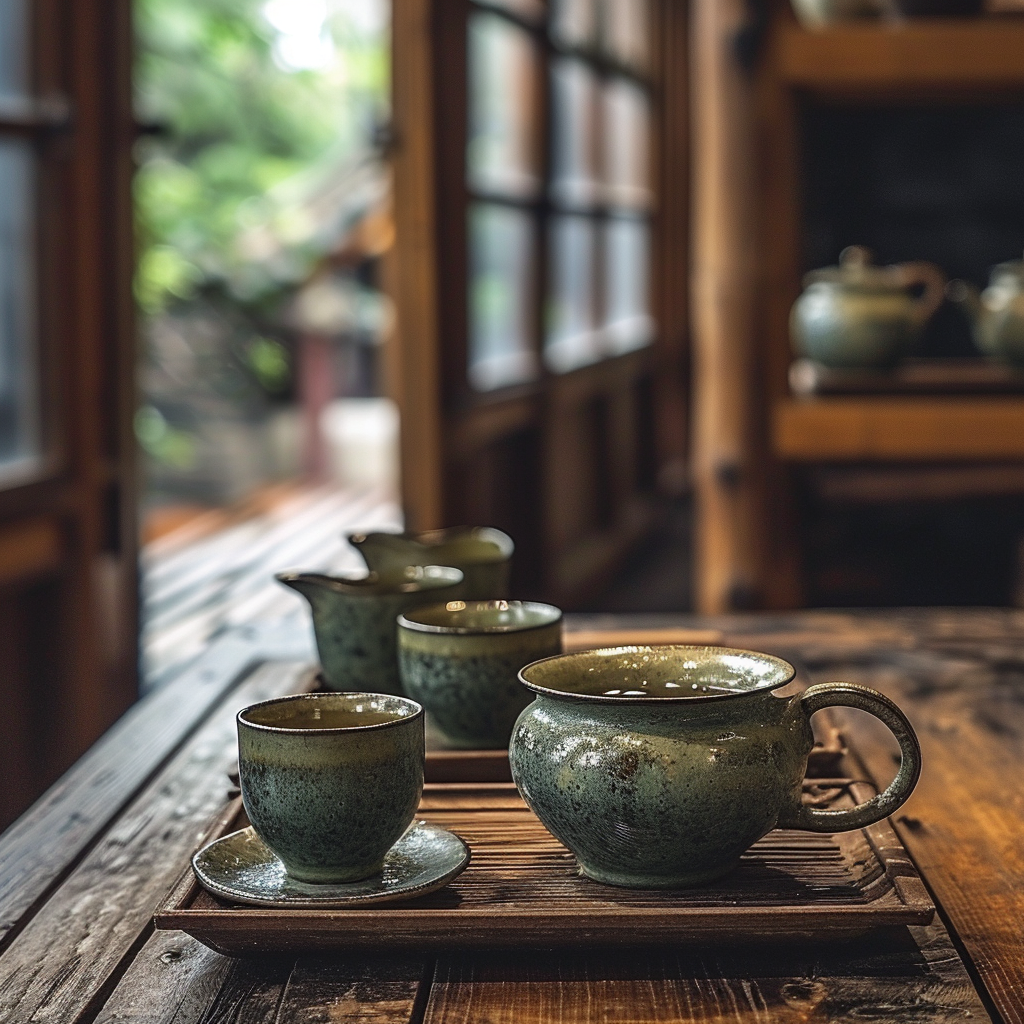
(173,980)
(912,974)
(360,990)
(964,826)
(44,844)
(65,959)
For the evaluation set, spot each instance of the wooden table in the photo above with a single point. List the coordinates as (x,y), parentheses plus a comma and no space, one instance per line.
(82,872)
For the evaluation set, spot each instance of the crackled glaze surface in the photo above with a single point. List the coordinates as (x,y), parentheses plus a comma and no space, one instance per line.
(331,802)
(461,662)
(483,553)
(355,620)
(241,867)
(647,786)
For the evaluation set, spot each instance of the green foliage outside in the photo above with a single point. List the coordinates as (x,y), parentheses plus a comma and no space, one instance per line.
(255,109)
(238,131)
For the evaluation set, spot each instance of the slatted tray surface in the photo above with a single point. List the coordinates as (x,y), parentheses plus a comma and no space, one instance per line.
(523,889)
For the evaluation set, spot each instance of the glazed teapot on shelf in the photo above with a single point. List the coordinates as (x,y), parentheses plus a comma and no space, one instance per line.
(859,316)
(997,313)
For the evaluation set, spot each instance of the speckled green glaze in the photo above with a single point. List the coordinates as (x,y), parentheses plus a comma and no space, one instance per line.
(461,660)
(659,766)
(242,868)
(331,800)
(354,620)
(482,553)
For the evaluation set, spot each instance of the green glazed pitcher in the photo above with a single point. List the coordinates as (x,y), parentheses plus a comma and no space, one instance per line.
(355,620)
(659,766)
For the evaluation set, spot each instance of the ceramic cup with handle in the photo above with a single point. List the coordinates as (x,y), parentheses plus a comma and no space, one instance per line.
(354,619)
(461,660)
(330,781)
(659,766)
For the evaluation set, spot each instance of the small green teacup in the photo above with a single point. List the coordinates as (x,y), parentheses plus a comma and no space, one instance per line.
(330,781)
(460,661)
(354,620)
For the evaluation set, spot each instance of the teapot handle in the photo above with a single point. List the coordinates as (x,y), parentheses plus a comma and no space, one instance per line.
(931,278)
(849,695)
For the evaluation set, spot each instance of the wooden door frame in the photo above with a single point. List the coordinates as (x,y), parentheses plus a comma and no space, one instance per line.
(68,547)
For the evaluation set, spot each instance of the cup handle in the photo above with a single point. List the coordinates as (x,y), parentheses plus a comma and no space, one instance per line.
(849,695)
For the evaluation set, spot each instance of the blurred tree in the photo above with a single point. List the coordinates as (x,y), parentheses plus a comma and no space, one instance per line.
(263,118)
(247,98)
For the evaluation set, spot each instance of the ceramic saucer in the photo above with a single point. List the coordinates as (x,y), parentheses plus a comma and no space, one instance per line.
(240,867)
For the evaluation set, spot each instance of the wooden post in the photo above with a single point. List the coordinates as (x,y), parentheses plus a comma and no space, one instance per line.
(724,282)
(412,275)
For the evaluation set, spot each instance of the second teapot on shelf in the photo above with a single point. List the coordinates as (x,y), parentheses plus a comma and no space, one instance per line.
(997,313)
(859,316)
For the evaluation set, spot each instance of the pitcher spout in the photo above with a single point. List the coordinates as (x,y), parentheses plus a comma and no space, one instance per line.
(311,585)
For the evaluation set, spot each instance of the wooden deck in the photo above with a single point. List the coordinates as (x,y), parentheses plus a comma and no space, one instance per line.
(217,571)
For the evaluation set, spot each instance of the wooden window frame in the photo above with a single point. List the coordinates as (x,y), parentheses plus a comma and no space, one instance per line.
(450,432)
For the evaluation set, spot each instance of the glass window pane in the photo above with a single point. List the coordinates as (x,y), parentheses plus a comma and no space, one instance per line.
(14,47)
(574,22)
(502,248)
(628,323)
(627,144)
(572,338)
(574,141)
(503,151)
(19,389)
(626,31)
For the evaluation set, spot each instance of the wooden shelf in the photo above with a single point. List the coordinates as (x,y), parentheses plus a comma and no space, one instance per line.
(899,430)
(940,55)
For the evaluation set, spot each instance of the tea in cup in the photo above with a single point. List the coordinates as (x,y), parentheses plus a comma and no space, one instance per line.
(461,660)
(354,620)
(331,781)
(659,766)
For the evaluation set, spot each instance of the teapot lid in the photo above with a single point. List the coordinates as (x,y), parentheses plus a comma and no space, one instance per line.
(856,270)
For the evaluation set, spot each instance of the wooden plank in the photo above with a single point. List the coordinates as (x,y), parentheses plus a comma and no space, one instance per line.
(887,429)
(964,825)
(177,980)
(173,978)
(67,957)
(944,54)
(908,975)
(365,990)
(42,846)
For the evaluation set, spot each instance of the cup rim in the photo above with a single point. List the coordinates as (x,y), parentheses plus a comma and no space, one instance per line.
(407,619)
(375,585)
(429,538)
(657,701)
(334,730)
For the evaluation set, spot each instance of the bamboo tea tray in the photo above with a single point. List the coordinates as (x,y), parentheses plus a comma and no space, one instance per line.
(523,889)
